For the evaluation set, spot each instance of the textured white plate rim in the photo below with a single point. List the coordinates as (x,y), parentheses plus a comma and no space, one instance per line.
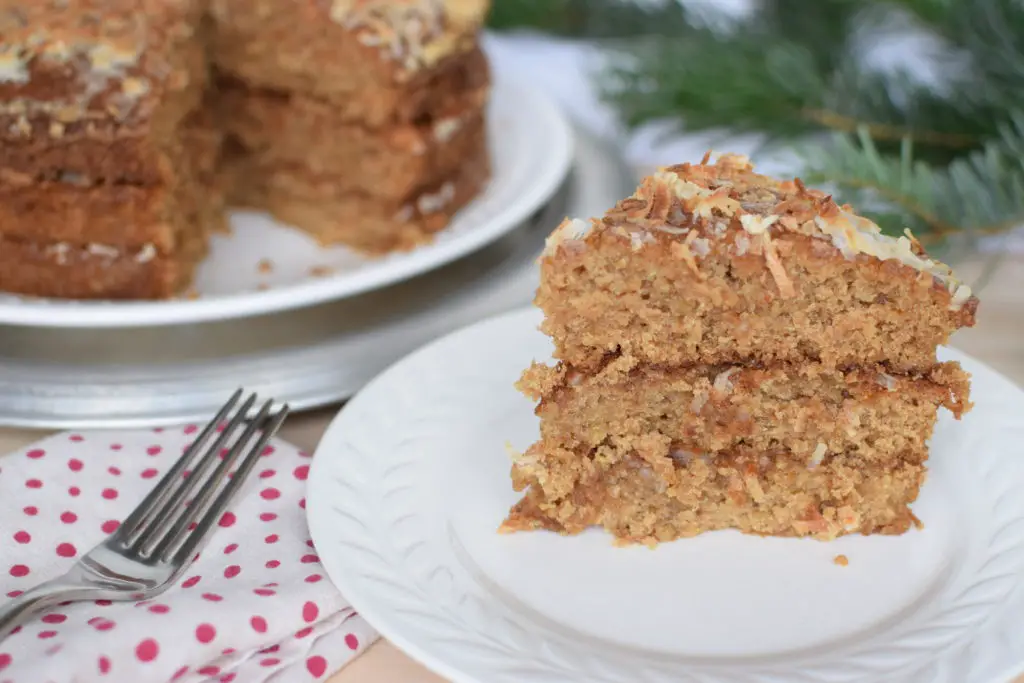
(542,184)
(322,496)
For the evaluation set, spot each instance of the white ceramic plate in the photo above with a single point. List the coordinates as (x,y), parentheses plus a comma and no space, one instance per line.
(531,147)
(412,479)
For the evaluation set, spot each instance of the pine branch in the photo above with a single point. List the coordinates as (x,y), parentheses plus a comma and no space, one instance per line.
(943,161)
(823,29)
(592,18)
(980,193)
(990,33)
(751,81)
(744,80)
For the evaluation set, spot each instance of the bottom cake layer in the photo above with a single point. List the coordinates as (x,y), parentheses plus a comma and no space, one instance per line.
(70,270)
(369,224)
(648,499)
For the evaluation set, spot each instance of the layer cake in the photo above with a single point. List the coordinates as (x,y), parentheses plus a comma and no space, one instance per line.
(126,126)
(735,351)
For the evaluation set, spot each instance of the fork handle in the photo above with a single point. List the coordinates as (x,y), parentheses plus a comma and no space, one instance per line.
(38,599)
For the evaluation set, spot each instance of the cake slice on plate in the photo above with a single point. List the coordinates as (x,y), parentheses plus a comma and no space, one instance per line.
(735,351)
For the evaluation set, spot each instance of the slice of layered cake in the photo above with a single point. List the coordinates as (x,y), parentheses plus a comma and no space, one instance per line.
(105,152)
(735,351)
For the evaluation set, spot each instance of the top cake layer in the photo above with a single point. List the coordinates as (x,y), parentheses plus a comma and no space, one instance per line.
(384,51)
(97,87)
(714,263)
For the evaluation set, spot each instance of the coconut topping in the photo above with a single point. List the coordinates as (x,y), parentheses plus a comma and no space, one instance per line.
(570,230)
(445,129)
(64,253)
(102,58)
(411,33)
(435,201)
(723,381)
(887,381)
(818,455)
(696,205)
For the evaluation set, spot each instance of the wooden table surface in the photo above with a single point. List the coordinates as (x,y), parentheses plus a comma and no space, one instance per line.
(998,339)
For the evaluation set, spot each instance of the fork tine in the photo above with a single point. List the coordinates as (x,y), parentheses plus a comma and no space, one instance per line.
(185,515)
(156,497)
(162,517)
(220,504)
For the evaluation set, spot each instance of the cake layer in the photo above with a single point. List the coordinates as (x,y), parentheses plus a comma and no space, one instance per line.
(651,499)
(98,271)
(713,264)
(118,215)
(376,61)
(98,91)
(359,220)
(288,130)
(810,412)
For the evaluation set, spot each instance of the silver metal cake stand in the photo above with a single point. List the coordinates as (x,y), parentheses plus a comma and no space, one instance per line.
(80,378)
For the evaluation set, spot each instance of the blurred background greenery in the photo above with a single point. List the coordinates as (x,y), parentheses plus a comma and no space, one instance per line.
(939,150)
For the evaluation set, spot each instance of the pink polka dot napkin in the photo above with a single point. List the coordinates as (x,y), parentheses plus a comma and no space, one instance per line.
(256,606)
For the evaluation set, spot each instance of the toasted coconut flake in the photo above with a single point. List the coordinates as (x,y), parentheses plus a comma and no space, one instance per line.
(573,229)
(817,456)
(723,381)
(757,225)
(682,250)
(742,244)
(778,272)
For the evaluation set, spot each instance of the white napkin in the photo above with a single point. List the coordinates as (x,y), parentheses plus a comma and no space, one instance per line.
(256,606)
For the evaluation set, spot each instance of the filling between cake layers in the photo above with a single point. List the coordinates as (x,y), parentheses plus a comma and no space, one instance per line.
(808,411)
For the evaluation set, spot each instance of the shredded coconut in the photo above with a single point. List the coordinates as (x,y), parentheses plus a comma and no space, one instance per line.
(776,268)
(639,238)
(103,250)
(571,229)
(817,456)
(699,400)
(723,382)
(700,247)
(755,224)
(146,254)
(887,381)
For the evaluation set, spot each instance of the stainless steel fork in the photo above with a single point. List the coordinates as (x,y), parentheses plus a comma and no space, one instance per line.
(162,536)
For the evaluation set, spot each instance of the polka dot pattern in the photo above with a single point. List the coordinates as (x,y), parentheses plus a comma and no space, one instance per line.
(254,606)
